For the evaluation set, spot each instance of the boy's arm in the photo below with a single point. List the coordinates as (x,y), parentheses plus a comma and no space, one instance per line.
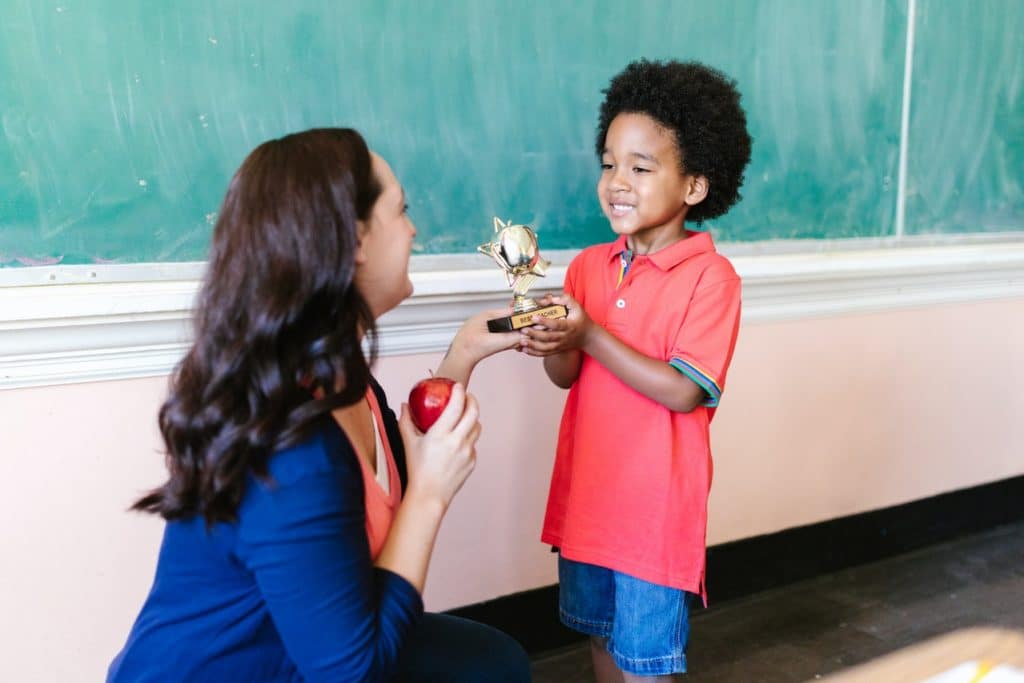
(563,368)
(566,339)
(655,379)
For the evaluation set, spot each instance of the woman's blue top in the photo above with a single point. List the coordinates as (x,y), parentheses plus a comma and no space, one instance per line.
(288,592)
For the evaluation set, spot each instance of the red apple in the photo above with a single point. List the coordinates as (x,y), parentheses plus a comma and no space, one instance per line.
(428,399)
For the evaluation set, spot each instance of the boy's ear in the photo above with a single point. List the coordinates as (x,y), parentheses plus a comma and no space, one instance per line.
(698,190)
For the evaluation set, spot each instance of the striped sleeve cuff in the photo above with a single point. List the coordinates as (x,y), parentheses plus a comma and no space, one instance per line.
(703,379)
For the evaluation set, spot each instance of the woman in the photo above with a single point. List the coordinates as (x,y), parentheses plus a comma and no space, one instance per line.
(301,515)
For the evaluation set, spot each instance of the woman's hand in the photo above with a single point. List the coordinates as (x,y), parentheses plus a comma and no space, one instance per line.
(474,342)
(438,463)
(477,342)
(440,460)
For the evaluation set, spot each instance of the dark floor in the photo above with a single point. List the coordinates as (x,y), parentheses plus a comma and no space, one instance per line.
(822,625)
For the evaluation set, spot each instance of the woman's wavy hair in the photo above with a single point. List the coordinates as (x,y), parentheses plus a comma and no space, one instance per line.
(278,323)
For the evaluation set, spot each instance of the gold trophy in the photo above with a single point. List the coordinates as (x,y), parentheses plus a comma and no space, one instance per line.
(515,250)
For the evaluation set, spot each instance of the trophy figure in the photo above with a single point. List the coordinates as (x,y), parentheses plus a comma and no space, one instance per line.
(515,250)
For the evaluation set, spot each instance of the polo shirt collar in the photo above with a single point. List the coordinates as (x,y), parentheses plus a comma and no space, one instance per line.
(666,259)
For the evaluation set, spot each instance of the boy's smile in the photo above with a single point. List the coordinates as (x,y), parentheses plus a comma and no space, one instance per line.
(643,189)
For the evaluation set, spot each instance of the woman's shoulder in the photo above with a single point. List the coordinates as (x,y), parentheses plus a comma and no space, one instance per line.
(323,449)
(310,485)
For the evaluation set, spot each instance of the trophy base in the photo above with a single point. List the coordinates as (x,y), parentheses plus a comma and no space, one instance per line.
(517,321)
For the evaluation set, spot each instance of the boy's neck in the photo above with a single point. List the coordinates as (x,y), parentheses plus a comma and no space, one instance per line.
(655,243)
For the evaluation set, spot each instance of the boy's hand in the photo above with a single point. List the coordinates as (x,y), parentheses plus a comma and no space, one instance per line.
(550,336)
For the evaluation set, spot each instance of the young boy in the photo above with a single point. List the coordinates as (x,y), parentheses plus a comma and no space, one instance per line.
(644,352)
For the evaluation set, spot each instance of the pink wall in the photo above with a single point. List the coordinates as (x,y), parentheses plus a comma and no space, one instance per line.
(76,565)
(829,417)
(821,418)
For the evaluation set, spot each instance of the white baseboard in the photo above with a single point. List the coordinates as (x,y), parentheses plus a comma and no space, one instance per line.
(90,323)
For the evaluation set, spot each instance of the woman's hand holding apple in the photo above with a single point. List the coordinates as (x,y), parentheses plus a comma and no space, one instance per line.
(440,459)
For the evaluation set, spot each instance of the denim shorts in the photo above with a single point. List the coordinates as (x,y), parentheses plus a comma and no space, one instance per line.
(647,625)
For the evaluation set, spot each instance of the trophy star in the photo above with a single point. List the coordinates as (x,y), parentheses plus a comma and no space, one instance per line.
(493,248)
(514,248)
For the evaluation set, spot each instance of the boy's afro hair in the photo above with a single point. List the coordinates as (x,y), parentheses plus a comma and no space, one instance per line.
(701,107)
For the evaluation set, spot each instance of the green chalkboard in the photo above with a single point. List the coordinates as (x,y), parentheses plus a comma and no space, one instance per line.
(123,120)
(965,170)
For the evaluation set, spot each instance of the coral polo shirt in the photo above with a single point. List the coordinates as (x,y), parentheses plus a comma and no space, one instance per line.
(631,478)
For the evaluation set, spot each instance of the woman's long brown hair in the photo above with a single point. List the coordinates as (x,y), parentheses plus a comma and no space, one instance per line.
(278,314)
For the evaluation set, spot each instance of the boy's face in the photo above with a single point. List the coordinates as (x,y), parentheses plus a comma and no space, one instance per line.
(643,190)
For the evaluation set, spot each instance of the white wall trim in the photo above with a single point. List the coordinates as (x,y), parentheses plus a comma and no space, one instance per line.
(89,323)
